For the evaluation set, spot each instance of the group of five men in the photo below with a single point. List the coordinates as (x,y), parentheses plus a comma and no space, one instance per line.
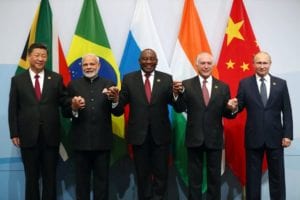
(37,95)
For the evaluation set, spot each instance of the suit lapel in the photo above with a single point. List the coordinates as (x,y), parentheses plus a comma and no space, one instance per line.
(255,90)
(272,90)
(214,90)
(155,87)
(28,84)
(140,85)
(46,84)
(197,89)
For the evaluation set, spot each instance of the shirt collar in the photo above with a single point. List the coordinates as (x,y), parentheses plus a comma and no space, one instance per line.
(32,73)
(266,77)
(209,79)
(151,74)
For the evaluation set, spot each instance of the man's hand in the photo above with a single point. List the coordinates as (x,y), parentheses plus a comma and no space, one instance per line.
(177,88)
(78,103)
(16,141)
(232,104)
(112,93)
(286,142)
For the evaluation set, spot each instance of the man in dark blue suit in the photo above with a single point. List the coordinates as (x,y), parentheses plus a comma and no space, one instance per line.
(269,127)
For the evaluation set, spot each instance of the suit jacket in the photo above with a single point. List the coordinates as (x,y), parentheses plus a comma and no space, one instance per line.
(142,114)
(204,123)
(26,114)
(266,125)
(92,129)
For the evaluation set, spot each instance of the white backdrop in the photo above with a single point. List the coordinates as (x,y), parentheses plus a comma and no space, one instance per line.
(275,24)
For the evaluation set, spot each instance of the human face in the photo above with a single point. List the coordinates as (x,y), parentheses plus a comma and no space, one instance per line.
(262,63)
(205,64)
(37,59)
(148,60)
(90,66)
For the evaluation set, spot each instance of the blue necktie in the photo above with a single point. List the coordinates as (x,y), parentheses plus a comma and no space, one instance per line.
(263,91)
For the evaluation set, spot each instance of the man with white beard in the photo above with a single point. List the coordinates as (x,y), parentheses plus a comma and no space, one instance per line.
(91,103)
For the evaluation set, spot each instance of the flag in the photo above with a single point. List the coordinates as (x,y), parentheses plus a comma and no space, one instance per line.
(190,42)
(142,35)
(90,37)
(43,31)
(236,58)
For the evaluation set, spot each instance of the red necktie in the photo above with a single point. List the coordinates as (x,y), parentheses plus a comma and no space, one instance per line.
(37,87)
(205,92)
(147,87)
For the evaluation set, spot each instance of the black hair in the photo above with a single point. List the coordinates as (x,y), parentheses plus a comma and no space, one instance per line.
(37,46)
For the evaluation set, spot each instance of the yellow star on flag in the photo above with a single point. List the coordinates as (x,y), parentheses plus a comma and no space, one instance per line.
(233,30)
(230,64)
(245,66)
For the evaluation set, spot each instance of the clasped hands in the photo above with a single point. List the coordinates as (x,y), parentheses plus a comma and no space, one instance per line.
(112,93)
(232,104)
(178,88)
(77,103)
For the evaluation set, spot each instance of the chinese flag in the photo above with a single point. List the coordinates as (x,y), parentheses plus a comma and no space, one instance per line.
(235,63)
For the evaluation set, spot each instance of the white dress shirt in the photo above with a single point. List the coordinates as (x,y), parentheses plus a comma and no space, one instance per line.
(41,78)
(267,83)
(208,83)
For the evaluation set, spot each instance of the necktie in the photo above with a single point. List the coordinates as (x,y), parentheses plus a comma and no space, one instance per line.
(37,87)
(263,91)
(147,87)
(205,92)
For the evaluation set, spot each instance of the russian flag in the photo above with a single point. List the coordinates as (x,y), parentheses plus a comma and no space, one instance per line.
(142,35)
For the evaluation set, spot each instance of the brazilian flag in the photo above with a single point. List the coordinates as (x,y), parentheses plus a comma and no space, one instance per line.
(90,37)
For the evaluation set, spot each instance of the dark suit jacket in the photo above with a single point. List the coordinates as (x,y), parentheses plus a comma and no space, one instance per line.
(92,129)
(204,123)
(26,113)
(142,114)
(266,125)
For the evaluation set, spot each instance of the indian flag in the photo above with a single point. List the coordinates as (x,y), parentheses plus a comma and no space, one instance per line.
(190,42)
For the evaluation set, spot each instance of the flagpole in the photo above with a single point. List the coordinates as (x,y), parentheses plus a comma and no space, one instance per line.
(244,193)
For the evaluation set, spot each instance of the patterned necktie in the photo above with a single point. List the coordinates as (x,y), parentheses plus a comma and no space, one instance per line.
(147,87)
(205,92)
(37,87)
(263,91)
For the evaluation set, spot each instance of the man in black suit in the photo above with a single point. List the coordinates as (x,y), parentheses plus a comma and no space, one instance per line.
(206,101)
(148,93)
(34,122)
(90,106)
(269,127)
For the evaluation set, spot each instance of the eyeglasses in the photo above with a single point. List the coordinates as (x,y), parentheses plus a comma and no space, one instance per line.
(261,63)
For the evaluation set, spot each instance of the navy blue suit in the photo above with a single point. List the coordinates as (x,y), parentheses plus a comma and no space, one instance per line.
(266,126)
